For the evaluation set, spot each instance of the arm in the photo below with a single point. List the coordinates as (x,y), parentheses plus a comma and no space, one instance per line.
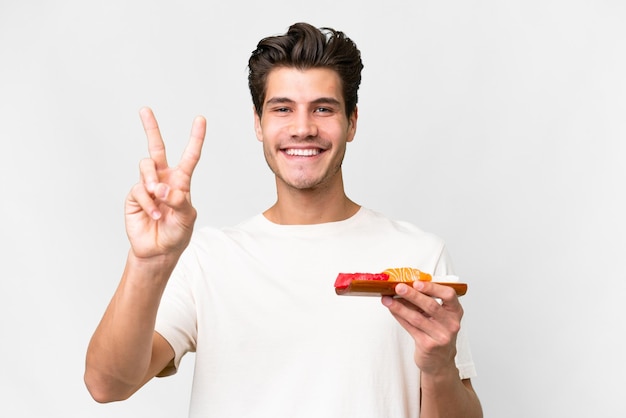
(434,328)
(125,351)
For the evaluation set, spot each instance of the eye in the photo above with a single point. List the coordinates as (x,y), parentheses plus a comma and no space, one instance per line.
(322,109)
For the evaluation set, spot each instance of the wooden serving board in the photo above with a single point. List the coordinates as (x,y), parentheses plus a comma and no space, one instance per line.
(387,288)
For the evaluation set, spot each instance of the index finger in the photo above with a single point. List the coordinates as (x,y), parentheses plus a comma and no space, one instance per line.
(192,152)
(436,290)
(156,147)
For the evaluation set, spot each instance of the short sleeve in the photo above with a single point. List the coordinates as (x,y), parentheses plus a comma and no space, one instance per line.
(464,361)
(176,317)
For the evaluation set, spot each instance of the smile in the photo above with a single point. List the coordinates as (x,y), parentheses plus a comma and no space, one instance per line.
(307,152)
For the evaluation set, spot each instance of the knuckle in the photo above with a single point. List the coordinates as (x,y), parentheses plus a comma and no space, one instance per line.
(454,326)
(147,166)
(446,340)
(448,293)
(137,189)
(144,162)
(418,320)
(432,306)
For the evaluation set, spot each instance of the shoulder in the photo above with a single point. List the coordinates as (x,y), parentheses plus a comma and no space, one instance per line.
(407,244)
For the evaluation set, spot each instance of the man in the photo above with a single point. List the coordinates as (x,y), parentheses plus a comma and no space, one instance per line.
(256,301)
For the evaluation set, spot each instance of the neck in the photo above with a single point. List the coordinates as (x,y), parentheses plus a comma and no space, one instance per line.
(310,206)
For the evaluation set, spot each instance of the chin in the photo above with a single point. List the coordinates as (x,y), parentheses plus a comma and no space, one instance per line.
(304,184)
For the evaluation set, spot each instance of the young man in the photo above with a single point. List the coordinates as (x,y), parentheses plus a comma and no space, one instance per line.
(256,301)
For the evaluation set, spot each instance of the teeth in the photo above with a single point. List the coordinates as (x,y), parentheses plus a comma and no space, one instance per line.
(302,152)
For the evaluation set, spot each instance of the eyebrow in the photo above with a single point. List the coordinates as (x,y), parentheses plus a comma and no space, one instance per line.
(321,100)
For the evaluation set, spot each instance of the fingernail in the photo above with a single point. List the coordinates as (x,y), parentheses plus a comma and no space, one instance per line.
(401,289)
(419,285)
(162,191)
(387,300)
(156,215)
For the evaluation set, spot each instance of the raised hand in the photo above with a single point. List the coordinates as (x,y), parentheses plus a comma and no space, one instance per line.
(158,210)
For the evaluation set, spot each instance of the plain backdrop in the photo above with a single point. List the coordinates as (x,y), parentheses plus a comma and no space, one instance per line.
(499,125)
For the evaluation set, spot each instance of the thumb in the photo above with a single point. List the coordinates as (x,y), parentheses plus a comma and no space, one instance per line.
(177,200)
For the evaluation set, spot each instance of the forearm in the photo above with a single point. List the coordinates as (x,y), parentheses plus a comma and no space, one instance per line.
(120,351)
(448,396)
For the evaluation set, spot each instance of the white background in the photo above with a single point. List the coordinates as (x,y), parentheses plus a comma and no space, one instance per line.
(498,125)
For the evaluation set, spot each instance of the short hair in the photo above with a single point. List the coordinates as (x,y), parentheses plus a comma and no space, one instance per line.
(304,47)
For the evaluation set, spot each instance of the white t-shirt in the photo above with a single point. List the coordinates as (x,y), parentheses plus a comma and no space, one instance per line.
(257,304)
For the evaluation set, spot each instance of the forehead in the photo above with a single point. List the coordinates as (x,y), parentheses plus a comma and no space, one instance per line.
(303,85)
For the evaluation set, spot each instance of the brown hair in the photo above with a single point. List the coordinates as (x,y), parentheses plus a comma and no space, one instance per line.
(304,47)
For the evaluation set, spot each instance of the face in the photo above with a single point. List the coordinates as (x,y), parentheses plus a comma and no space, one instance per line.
(304,128)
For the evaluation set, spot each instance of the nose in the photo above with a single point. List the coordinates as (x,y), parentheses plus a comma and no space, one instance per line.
(303,126)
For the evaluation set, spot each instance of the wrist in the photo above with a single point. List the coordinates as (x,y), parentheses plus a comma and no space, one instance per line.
(437,380)
(157,267)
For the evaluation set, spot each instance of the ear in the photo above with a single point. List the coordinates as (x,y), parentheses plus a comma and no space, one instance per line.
(258,130)
(352,124)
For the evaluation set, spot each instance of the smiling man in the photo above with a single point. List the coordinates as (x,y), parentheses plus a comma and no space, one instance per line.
(255,302)
(304,128)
